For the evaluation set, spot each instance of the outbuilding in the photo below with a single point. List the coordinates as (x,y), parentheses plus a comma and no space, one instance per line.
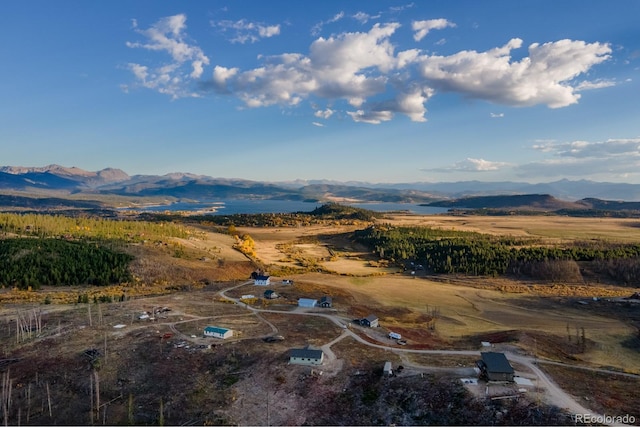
(495,367)
(387,370)
(213,331)
(307,302)
(306,356)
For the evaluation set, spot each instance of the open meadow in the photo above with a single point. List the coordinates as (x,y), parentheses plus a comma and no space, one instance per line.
(465,306)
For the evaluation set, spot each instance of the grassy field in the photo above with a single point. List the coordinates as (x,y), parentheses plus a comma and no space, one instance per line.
(465,307)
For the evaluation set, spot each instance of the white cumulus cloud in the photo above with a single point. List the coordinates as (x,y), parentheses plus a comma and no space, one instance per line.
(366,72)
(325,114)
(544,77)
(167,35)
(422,28)
(243,31)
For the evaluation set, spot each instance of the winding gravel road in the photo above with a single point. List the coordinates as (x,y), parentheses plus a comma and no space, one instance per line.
(555,395)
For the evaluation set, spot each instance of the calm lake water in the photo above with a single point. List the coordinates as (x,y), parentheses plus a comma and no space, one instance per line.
(229,207)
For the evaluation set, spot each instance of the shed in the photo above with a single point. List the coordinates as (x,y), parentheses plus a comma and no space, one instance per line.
(326,302)
(213,331)
(387,371)
(306,356)
(261,280)
(270,294)
(495,367)
(306,302)
(371,321)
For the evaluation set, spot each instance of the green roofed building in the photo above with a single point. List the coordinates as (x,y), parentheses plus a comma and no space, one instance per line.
(212,331)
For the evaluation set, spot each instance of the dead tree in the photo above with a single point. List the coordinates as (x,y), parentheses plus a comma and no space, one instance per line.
(5,396)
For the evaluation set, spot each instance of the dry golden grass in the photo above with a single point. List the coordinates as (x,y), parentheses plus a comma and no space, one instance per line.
(467,306)
(552,227)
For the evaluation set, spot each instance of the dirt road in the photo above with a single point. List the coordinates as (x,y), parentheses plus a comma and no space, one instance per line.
(554,394)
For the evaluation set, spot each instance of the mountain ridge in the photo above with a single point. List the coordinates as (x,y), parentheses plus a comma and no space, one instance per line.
(190,186)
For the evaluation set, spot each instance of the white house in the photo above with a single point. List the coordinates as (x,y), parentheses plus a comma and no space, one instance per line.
(306,302)
(306,356)
(213,331)
(261,280)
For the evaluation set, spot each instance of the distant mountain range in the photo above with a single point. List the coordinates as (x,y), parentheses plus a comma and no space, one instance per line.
(58,181)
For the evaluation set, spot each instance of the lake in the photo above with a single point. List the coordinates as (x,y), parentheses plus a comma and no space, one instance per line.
(236,206)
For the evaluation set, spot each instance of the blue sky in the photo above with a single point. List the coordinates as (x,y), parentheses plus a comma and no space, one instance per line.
(376,91)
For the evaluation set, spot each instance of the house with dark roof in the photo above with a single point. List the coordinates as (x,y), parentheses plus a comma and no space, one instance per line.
(326,302)
(306,356)
(495,367)
(261,280)
(270,294)
(370,321)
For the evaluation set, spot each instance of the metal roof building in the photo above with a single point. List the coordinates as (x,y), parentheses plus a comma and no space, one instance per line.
(495,367)
(306,302)
(213,331)
(306,356)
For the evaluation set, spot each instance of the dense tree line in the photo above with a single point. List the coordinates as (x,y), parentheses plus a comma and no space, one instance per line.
(32,262)
(449,251)
(330,212)
(39,225)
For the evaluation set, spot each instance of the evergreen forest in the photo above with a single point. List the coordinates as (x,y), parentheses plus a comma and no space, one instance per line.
(457,252)
(32,263)
(52,250)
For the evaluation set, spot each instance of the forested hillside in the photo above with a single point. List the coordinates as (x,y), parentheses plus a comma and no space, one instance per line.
(32,263)
(51,250)
(449,252)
